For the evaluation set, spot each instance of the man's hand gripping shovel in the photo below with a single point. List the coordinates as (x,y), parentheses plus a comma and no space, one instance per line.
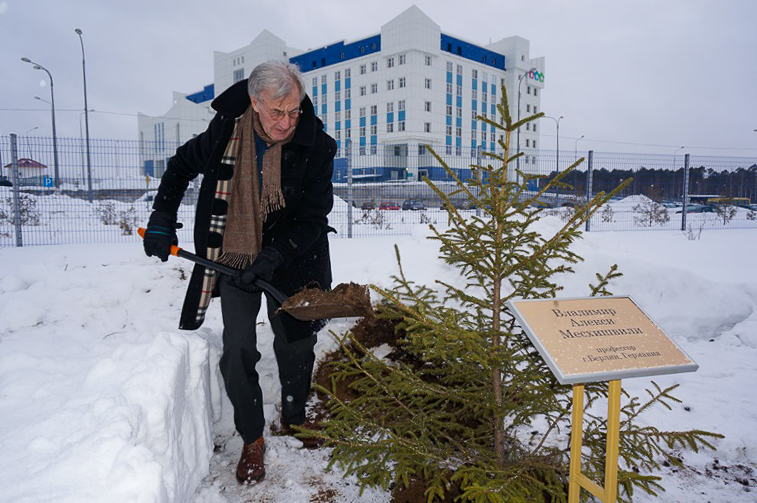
(344,301)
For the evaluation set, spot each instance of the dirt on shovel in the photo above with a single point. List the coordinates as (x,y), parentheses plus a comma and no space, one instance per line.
(346,300)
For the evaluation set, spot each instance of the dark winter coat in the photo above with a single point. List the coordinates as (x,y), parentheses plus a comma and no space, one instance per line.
(298,231)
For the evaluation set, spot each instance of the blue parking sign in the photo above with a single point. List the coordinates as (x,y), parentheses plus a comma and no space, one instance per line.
(47,182)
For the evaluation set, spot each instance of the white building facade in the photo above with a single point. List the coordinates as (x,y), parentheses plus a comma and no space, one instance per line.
(386,96)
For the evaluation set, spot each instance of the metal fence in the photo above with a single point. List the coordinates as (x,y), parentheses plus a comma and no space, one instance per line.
(105,196)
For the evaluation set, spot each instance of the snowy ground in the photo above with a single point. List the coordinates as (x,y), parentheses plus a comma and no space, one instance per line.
(102,398)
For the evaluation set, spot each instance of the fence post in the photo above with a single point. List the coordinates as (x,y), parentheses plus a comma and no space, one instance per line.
(685,191)
(16,195)
(350,197)
(589,184)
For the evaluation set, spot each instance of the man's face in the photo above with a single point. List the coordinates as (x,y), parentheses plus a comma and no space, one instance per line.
(278,117)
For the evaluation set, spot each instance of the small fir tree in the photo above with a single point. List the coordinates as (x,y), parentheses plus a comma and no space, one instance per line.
(466,404)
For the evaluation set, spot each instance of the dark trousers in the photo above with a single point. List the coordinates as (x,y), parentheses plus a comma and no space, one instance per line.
(295,360)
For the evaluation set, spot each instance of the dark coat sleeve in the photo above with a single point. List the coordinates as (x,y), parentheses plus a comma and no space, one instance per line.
(190,159)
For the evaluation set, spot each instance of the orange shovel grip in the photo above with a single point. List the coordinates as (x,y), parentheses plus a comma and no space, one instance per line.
(174,249)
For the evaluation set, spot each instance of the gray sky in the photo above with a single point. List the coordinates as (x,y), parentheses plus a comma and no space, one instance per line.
(630,76)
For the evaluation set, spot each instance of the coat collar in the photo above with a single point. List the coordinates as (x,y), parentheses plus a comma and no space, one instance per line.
(234,101)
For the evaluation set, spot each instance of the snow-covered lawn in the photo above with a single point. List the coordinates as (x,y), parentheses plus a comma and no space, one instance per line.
(102,398)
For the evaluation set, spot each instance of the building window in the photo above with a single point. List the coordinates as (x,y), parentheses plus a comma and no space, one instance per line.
(390,107)
(348,93)
(389,85)
(535,109)
(458,150)
(338,95)
(459,69)
(428,106)
(401,105)
(449,109)
(427,127)
(362,90)
(449,66)
(323,79)
(528,126)
(402,81)
(421,149)
(347,73)
(428,60)
(428,83)
(449,130)
(337,116)
(402,59)
(374,109)
(534,127)
(536,89)
(374,66)
(362,131)
(374,129)
(362,111)
(528,108)
(315,81)
(475,94)
(459,91)
(362,150)
(238,74)
(390,62)
(362,69)
(459,132)
(528,142)
(374,88)
(373,149)
(475,74)
(459,111)
(449,88)
(483,136)
(337,75)
(528,89)
(348,114)
(390,127)
(401,126)
(534,143)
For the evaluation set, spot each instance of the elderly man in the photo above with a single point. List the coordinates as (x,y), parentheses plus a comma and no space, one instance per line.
(262,208)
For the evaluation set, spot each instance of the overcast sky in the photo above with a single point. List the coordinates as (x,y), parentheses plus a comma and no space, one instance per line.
(628,76)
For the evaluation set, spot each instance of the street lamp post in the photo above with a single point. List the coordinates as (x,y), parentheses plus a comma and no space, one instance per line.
(37,66)
(520,81)
(28,143)
(575,148)
(86,115)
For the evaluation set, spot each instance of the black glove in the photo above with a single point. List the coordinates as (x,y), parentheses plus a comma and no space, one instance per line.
(263,267)
(161,234)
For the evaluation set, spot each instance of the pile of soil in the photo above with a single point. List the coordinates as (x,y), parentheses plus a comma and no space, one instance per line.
(344,301)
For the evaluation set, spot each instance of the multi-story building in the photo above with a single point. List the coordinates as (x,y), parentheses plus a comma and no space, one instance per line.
(387,96)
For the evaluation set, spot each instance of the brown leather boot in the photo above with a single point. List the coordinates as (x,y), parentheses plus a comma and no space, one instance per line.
(307,442)
(251,467)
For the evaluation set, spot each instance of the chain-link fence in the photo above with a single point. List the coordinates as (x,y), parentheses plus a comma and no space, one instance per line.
(58,193)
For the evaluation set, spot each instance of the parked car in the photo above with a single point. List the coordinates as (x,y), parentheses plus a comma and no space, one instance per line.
(698,208)
(413,204)
(388,205)
(4,182)
(367,205)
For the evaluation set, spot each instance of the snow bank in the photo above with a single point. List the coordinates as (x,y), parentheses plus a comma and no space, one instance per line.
(96,404)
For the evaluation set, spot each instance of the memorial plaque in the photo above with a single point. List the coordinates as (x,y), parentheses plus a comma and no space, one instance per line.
(598,339)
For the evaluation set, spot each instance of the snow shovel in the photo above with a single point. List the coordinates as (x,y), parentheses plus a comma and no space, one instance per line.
(346,300)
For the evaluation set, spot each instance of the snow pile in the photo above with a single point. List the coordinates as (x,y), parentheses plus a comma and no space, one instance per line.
(97,401)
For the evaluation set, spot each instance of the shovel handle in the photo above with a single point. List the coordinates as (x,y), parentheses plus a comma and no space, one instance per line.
(274,292)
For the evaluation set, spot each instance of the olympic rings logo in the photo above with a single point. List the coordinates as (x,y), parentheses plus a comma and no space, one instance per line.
(534,75)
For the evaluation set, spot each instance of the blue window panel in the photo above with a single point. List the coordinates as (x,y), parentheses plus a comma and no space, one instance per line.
(449,77)
(494,89)
(449,99)
(491,146)
(338,142)
(459,122)
(474,105)
(449,140)
(475,84)
(337,53)
(474,124)
(347,104)
(347,83)
(472,52)
(324,88)
(347,124)
(338,125)
(402,115)
(338,85)
(374,120)
(483,126)
(323,109)
(449,120)
(459,80)
(473,144)
(315,90)
(362,121)
(494,110)
(337,106)
(374,139)
(390,117)
(458,142)
(362,141)
(459,101)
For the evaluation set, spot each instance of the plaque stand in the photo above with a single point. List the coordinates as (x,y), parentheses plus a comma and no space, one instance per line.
(608,493)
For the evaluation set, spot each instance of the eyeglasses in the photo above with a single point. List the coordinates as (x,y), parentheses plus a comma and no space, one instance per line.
(277,115)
